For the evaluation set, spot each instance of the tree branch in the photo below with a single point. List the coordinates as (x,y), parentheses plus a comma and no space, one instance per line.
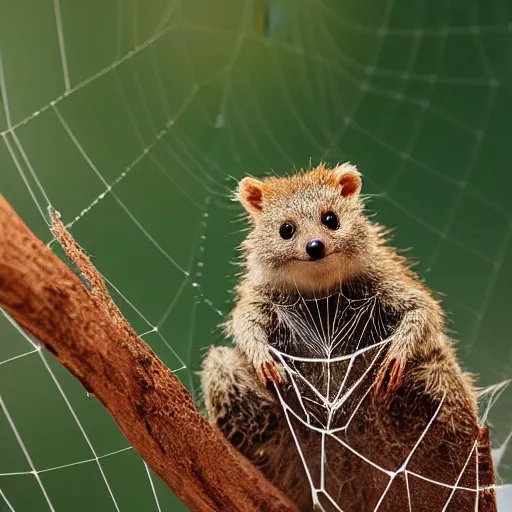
(89,336)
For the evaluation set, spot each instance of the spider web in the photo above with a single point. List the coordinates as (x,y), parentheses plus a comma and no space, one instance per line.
(332,346)
(132,118)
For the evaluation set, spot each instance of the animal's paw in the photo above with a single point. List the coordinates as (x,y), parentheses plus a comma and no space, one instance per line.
(269,370)
(389,378)
(269,373)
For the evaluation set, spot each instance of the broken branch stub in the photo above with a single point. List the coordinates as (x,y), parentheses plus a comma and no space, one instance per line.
(88,335)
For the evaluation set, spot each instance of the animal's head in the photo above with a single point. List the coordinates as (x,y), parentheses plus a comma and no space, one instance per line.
(308,230)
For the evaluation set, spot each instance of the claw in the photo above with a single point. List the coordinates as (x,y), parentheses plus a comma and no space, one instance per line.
(389,378)
(269,373)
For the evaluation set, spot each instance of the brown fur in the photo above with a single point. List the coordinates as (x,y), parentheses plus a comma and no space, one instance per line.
(414,378)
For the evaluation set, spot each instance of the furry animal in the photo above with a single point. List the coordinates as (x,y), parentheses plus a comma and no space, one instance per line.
(341,386)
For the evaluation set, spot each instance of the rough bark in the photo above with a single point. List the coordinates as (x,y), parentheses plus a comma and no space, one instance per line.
(88,335)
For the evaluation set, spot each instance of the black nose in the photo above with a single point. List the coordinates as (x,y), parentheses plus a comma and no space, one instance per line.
(315,248)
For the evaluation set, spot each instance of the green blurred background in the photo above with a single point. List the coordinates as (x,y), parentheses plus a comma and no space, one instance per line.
(163,105)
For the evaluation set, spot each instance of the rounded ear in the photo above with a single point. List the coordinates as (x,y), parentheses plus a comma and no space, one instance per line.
(348,178)
(250,194)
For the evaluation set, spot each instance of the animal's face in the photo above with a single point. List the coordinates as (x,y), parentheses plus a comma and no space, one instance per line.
(309,232)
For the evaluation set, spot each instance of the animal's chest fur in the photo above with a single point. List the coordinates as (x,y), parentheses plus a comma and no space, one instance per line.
(343,323)
(331,348)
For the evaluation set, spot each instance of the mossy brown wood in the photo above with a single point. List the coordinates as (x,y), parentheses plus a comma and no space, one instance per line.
(88,335)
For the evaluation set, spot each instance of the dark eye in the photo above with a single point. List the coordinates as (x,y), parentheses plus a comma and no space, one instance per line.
(330,220)
(286,230)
